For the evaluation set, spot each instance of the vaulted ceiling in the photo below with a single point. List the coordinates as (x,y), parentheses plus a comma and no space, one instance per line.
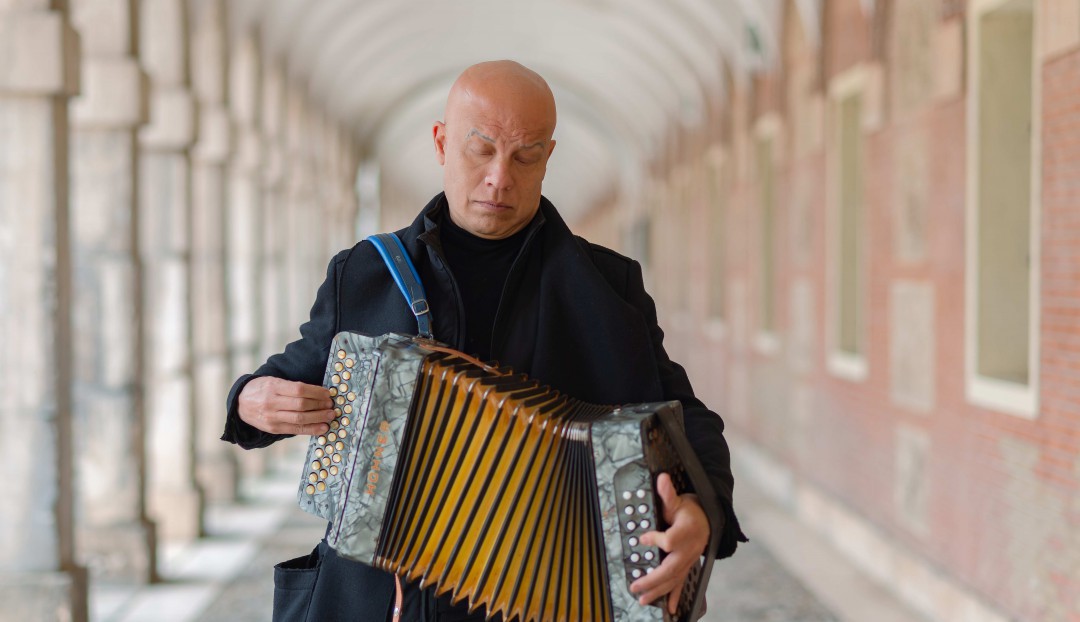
(625,73)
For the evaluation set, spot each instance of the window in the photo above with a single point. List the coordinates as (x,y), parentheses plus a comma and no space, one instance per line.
(717,189)
(765,167)
(847,291)
(1002,211)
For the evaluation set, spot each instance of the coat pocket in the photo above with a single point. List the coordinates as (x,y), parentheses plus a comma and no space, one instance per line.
(294,584)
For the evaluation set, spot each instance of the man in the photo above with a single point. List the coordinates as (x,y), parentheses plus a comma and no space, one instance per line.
(505,280)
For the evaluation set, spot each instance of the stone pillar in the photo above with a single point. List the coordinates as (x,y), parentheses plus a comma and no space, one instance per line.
(216,463)
(38,74)
(244,217)
(116,539)
(175,501)
(299,187)
(343,234)
(276,235)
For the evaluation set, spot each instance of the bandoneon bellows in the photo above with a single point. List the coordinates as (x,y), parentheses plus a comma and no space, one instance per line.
(494,488)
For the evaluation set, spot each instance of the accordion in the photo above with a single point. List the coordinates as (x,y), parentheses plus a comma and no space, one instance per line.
(494,488)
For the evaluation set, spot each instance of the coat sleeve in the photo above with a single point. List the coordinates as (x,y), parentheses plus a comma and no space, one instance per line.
(704,428)
(303,360)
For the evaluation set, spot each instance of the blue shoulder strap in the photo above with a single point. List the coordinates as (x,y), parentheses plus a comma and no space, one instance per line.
(408,281)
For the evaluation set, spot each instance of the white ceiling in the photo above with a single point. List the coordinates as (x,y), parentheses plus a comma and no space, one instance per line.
(625,73)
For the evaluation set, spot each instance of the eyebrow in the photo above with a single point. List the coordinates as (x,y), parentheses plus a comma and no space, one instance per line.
(476,132)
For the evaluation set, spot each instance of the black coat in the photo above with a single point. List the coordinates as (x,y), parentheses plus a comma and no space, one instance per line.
(573,315)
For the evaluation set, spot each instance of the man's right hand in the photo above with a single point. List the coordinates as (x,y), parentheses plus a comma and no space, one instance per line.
(285,407)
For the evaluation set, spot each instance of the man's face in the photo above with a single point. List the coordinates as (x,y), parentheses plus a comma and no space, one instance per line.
(494,157)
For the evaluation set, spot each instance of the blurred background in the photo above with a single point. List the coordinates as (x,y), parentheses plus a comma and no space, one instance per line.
(860,220)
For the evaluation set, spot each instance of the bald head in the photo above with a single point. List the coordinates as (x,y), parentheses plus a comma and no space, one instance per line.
(508,87)
(494,144)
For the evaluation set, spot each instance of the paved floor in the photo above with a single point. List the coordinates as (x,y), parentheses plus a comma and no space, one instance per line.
(228,575)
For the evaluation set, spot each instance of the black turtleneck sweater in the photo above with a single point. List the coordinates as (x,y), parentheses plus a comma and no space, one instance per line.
(480,267)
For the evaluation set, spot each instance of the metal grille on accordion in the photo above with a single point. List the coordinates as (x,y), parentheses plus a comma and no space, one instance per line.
(495,488)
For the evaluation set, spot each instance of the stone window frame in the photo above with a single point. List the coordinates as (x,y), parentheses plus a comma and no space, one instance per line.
(768,127)
(1013,398)
(855,81)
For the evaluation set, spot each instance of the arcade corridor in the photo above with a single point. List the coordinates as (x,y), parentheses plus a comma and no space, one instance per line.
(859,220)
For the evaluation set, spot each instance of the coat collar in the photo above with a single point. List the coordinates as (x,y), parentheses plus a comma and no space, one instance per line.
(425,228)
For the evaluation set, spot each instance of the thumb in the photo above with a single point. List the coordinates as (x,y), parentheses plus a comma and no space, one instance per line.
(669,499)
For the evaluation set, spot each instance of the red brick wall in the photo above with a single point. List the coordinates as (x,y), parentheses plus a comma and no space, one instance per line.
(1058,429)
(1003,504)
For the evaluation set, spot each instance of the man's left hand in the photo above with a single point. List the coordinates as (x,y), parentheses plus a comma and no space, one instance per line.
(684,542)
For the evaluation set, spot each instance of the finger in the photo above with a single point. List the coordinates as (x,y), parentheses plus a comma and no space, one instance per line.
(300,422)
(657,592)
(302,389)
(669,498)
(300,404)
(659,582)
(659,539)
(673,598)
(298,429)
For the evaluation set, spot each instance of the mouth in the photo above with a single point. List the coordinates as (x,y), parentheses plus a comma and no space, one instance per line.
(493,205)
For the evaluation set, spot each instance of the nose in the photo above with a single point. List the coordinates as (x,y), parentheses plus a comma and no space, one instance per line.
(498,174)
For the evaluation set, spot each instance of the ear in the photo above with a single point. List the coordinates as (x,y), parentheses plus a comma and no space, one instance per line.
(551,148)
(438,133)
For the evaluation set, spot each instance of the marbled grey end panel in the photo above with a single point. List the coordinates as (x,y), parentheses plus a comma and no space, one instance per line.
(349,373)
(620,470)
(358,526)
(668,451)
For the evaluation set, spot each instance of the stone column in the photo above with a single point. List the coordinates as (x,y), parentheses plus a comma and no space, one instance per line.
(299,187)
(344,224)
(322,197)
(38,74)
(276,235)
(216,464)
(116,539)
(244,217)
(175,500)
